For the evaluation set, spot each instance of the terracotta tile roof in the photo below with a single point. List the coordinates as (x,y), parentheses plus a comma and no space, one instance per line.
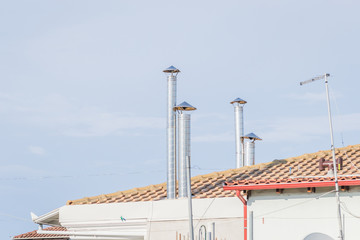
(35,235)
(211,185)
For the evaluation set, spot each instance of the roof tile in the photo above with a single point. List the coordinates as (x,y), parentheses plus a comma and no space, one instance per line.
(294,169)
(35,235)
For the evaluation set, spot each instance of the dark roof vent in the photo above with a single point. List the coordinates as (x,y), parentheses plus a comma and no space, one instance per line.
(323,164)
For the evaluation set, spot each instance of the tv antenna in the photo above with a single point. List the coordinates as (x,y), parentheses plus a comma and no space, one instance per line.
(325,76)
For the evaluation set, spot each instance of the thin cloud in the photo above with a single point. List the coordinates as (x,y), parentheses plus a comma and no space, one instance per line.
(347,122)
(36,150)
(307,128)
(17,171)
(66,117)
(103,124)
(313,96)
(308,96)
(220,137)
(291,129)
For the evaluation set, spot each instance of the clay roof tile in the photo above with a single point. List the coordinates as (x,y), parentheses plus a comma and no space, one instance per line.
(34,235)
(210,185)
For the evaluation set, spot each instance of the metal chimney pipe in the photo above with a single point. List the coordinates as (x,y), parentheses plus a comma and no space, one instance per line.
(238,104)
(184,152)
(184,147)
(250,149)
(171,132)
(249,153)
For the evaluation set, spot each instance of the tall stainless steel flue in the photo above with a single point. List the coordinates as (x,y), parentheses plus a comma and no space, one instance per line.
(238,104)
(184,152)
(249,153)
(171,131)
(250,149)
(184,146)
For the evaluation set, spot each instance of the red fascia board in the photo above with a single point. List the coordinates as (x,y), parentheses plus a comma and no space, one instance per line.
(292,185)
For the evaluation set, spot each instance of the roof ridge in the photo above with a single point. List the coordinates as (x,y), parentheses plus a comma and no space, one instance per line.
(322,152)
(231,170)
(109,195)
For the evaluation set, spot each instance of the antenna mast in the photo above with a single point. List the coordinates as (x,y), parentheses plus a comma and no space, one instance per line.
(325,76)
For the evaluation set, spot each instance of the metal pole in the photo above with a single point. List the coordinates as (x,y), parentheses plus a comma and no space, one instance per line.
(211,231)
(332,149)
(334,160)
(191,229)
(251,225)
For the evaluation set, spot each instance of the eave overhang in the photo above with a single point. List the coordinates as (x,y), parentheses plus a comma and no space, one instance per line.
(265,186)
(51,218)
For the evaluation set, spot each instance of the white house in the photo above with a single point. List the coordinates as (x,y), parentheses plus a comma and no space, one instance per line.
(295,200)
(283,199)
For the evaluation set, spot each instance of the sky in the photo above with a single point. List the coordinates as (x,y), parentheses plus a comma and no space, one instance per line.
(83,96)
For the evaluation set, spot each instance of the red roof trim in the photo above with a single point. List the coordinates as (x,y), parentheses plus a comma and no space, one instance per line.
(292,185)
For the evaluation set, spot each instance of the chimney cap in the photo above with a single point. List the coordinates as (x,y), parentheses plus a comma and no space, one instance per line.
(238,100)
(252,136)
(184,106)
(171,69)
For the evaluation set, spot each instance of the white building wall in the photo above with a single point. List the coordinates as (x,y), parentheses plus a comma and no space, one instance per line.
(225,229)
(295,214)
(170,218)
(158,220)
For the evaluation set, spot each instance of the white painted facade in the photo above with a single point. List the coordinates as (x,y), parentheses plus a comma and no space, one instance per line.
(154,220)
(298,215)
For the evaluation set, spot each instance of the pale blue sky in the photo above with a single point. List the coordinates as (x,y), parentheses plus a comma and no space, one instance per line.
(83,95)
